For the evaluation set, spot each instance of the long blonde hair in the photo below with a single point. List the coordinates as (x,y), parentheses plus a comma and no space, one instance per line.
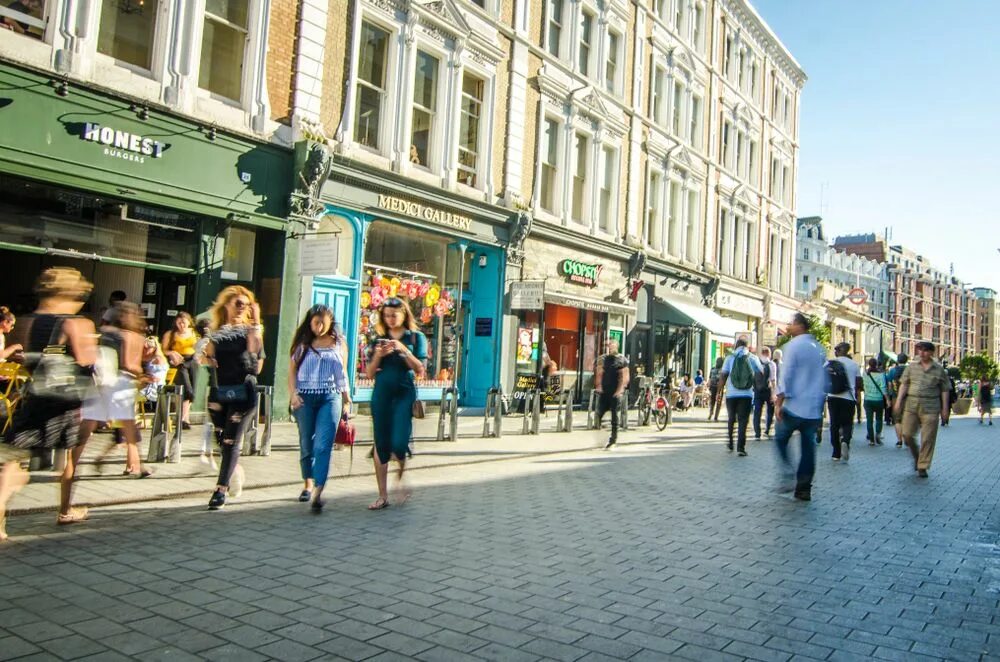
(409,322)
(219,314)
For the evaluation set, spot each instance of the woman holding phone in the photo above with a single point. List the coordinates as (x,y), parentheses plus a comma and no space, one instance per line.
(396,361)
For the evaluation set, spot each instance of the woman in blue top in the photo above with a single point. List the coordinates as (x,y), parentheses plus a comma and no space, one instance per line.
(320,397)
(396,361)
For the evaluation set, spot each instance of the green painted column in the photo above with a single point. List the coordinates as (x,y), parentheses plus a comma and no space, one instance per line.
(288,320)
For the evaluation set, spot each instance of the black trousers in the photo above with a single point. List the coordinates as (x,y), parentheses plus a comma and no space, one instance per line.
(739,413)
(762,401)
(608,402)
(841,422)
(231,422)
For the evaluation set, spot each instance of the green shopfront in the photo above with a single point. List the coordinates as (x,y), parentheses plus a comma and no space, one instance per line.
(165,209)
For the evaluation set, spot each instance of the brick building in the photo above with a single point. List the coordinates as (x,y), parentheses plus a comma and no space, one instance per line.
(988,322)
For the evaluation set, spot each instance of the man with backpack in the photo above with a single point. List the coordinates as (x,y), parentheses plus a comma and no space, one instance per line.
(738,375)
(763,392)
(844,375)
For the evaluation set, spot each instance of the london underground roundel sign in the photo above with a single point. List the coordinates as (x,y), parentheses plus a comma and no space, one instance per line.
(857,296)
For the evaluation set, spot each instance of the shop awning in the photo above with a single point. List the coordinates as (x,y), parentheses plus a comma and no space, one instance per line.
(584,303)
(690,314)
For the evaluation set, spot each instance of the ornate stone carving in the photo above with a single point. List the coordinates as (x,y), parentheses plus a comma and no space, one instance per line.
(520,228)
(636,264)
(314,173)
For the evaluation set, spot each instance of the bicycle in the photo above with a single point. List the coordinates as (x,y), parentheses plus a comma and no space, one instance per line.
(661,405)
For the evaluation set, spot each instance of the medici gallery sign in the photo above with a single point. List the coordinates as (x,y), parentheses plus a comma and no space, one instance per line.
(580,272)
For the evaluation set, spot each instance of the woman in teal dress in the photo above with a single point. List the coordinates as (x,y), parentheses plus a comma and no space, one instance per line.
(395,361)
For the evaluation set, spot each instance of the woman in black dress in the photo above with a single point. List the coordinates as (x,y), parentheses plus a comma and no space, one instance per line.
(234,353)
(46,423)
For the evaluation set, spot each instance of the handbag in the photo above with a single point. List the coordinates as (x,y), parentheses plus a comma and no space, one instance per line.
(55,375)
(345,432)
(228,395)
(418,409)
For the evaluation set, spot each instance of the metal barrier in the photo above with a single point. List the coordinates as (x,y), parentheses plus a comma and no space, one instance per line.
(253,442)
(592,422)
(564,420)
(623,412)
(165,434)
(449,410)
(532,411)
(493,414)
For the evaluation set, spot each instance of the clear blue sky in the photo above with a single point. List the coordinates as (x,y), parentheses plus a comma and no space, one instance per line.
(900,122)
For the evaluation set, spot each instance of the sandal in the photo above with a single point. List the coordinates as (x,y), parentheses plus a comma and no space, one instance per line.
(73,516)
(304,496)
(380,504)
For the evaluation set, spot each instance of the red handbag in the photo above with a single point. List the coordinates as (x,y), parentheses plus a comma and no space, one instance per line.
(345,432)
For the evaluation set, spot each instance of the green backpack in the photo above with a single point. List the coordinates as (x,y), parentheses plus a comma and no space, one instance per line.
(742,375)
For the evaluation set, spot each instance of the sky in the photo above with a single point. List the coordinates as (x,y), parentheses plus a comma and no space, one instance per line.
(899,123)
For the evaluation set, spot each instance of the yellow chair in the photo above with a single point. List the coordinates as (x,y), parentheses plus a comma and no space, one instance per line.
(140,400)
(13,377)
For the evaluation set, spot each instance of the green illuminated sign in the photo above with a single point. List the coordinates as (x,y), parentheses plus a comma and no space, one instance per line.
(579,272)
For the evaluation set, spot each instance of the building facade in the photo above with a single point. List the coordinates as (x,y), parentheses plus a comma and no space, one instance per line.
(146,144)
(924,303)
(987,322)
(630,165)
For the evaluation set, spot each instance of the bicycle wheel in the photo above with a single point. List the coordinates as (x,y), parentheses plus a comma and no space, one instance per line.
(661,419)
(644,410)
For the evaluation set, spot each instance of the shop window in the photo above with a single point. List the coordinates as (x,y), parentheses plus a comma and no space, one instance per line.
(373,58)
(127,30)
(237,261)
(223,47)
(424,108)
(547,173)
(469,133)
(25,17)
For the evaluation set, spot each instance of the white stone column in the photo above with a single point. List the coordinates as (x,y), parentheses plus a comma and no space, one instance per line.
(181,83)
(400,154)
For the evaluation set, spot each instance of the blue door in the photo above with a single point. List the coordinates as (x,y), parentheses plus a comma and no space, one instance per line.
(481,325)
(341,298)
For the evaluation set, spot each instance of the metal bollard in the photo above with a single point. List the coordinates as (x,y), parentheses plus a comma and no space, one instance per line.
(160,430)
(493,413)
(253,444)
(592,422)
(532,412)
(536,411)
(564,421)
(268,397)
(449,413)
(623,412)
(173,453)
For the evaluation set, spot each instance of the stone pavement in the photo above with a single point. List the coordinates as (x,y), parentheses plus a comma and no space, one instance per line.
(654,551)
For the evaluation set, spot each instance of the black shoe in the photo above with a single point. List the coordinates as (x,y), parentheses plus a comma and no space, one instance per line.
(922,473)
(218,500)
(185,425)
(742,453)
(611,444)
(304,496)
(729,445)
(317,506)
(803,495)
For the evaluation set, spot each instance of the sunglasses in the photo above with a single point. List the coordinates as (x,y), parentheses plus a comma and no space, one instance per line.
(393,302)
(240,303)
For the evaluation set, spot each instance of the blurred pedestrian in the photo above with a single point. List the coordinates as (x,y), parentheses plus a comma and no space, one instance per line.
(178,345)
(7,321)
(874,387)
(801,392)
(842,400)
(738,374)
(924,393)
(610,381)
(234,351)
(61,347)
(893,379)
(985,400)
(763,393)
(319,396)
(118,372)
(396,359)
(715,389)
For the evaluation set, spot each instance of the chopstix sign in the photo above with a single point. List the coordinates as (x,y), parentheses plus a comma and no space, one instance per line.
(580,272)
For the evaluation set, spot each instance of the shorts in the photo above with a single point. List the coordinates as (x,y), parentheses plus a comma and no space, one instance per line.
(111,403)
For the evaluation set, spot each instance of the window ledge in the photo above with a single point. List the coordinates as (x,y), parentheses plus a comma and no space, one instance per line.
(27,50)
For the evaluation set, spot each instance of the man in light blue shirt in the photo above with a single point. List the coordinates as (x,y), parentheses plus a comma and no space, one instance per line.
(738,372)
(802,390)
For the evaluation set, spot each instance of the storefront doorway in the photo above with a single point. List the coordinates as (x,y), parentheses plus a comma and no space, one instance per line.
(573,339)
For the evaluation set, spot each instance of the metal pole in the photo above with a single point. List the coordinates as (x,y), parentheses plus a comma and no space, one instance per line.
(459,318)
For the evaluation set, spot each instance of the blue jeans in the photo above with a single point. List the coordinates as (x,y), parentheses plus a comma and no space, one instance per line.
(807,428)
(318,418)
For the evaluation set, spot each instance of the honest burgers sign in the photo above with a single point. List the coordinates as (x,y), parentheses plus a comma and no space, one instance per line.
(417,210)
(120,144)
(580,272)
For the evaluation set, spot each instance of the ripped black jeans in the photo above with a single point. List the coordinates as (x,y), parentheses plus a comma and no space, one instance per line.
(231,422)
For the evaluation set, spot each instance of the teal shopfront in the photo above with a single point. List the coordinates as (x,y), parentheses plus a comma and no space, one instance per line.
(441,257)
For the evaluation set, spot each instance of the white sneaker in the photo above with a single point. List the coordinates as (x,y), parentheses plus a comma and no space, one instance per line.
(236,483)
(845,452)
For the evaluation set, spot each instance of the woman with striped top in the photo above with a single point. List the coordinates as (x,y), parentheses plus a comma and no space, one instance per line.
(318,384)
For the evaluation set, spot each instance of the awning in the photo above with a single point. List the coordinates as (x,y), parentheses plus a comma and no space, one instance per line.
(690,314)
(585,303)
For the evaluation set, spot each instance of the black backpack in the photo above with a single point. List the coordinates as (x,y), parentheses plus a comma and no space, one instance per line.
(837,377)
(762,379)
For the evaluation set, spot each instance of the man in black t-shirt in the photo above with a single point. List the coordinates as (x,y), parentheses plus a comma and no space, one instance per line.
(610,381)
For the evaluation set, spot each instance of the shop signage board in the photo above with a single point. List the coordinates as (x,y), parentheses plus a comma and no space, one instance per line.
(121,144)
(318,257)
(424,212)
(527,295)
(769,334)
(857,296)
(523,382)
(484,327)
(581,272)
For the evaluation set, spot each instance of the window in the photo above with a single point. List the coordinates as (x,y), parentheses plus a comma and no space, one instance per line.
(699,26)
(424,108)
(786,192)
(750,252)
(607,201)
(727,59)
(550,151)
(238,255)
(740,72)
(805,281)
(805,253)
(674,247)
(680,13)
(654,228)
(127,35)
(555,26)
(223,44)
(580,150)
(752,174)
(694,129)
(27,18)
(370,86)
(740,142)
(775,174)
(661,8)
(723,241)
(754,78)
(726,147)
(691,250)
(468,136)
(659,102)
(611,69)
(677,109)
(586,40)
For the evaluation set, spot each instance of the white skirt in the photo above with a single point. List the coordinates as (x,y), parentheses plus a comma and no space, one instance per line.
(111,403)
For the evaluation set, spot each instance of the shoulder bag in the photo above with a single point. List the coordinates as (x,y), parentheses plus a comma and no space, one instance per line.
(56,377)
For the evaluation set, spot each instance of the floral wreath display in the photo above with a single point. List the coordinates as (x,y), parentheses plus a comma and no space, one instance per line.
(427,299)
